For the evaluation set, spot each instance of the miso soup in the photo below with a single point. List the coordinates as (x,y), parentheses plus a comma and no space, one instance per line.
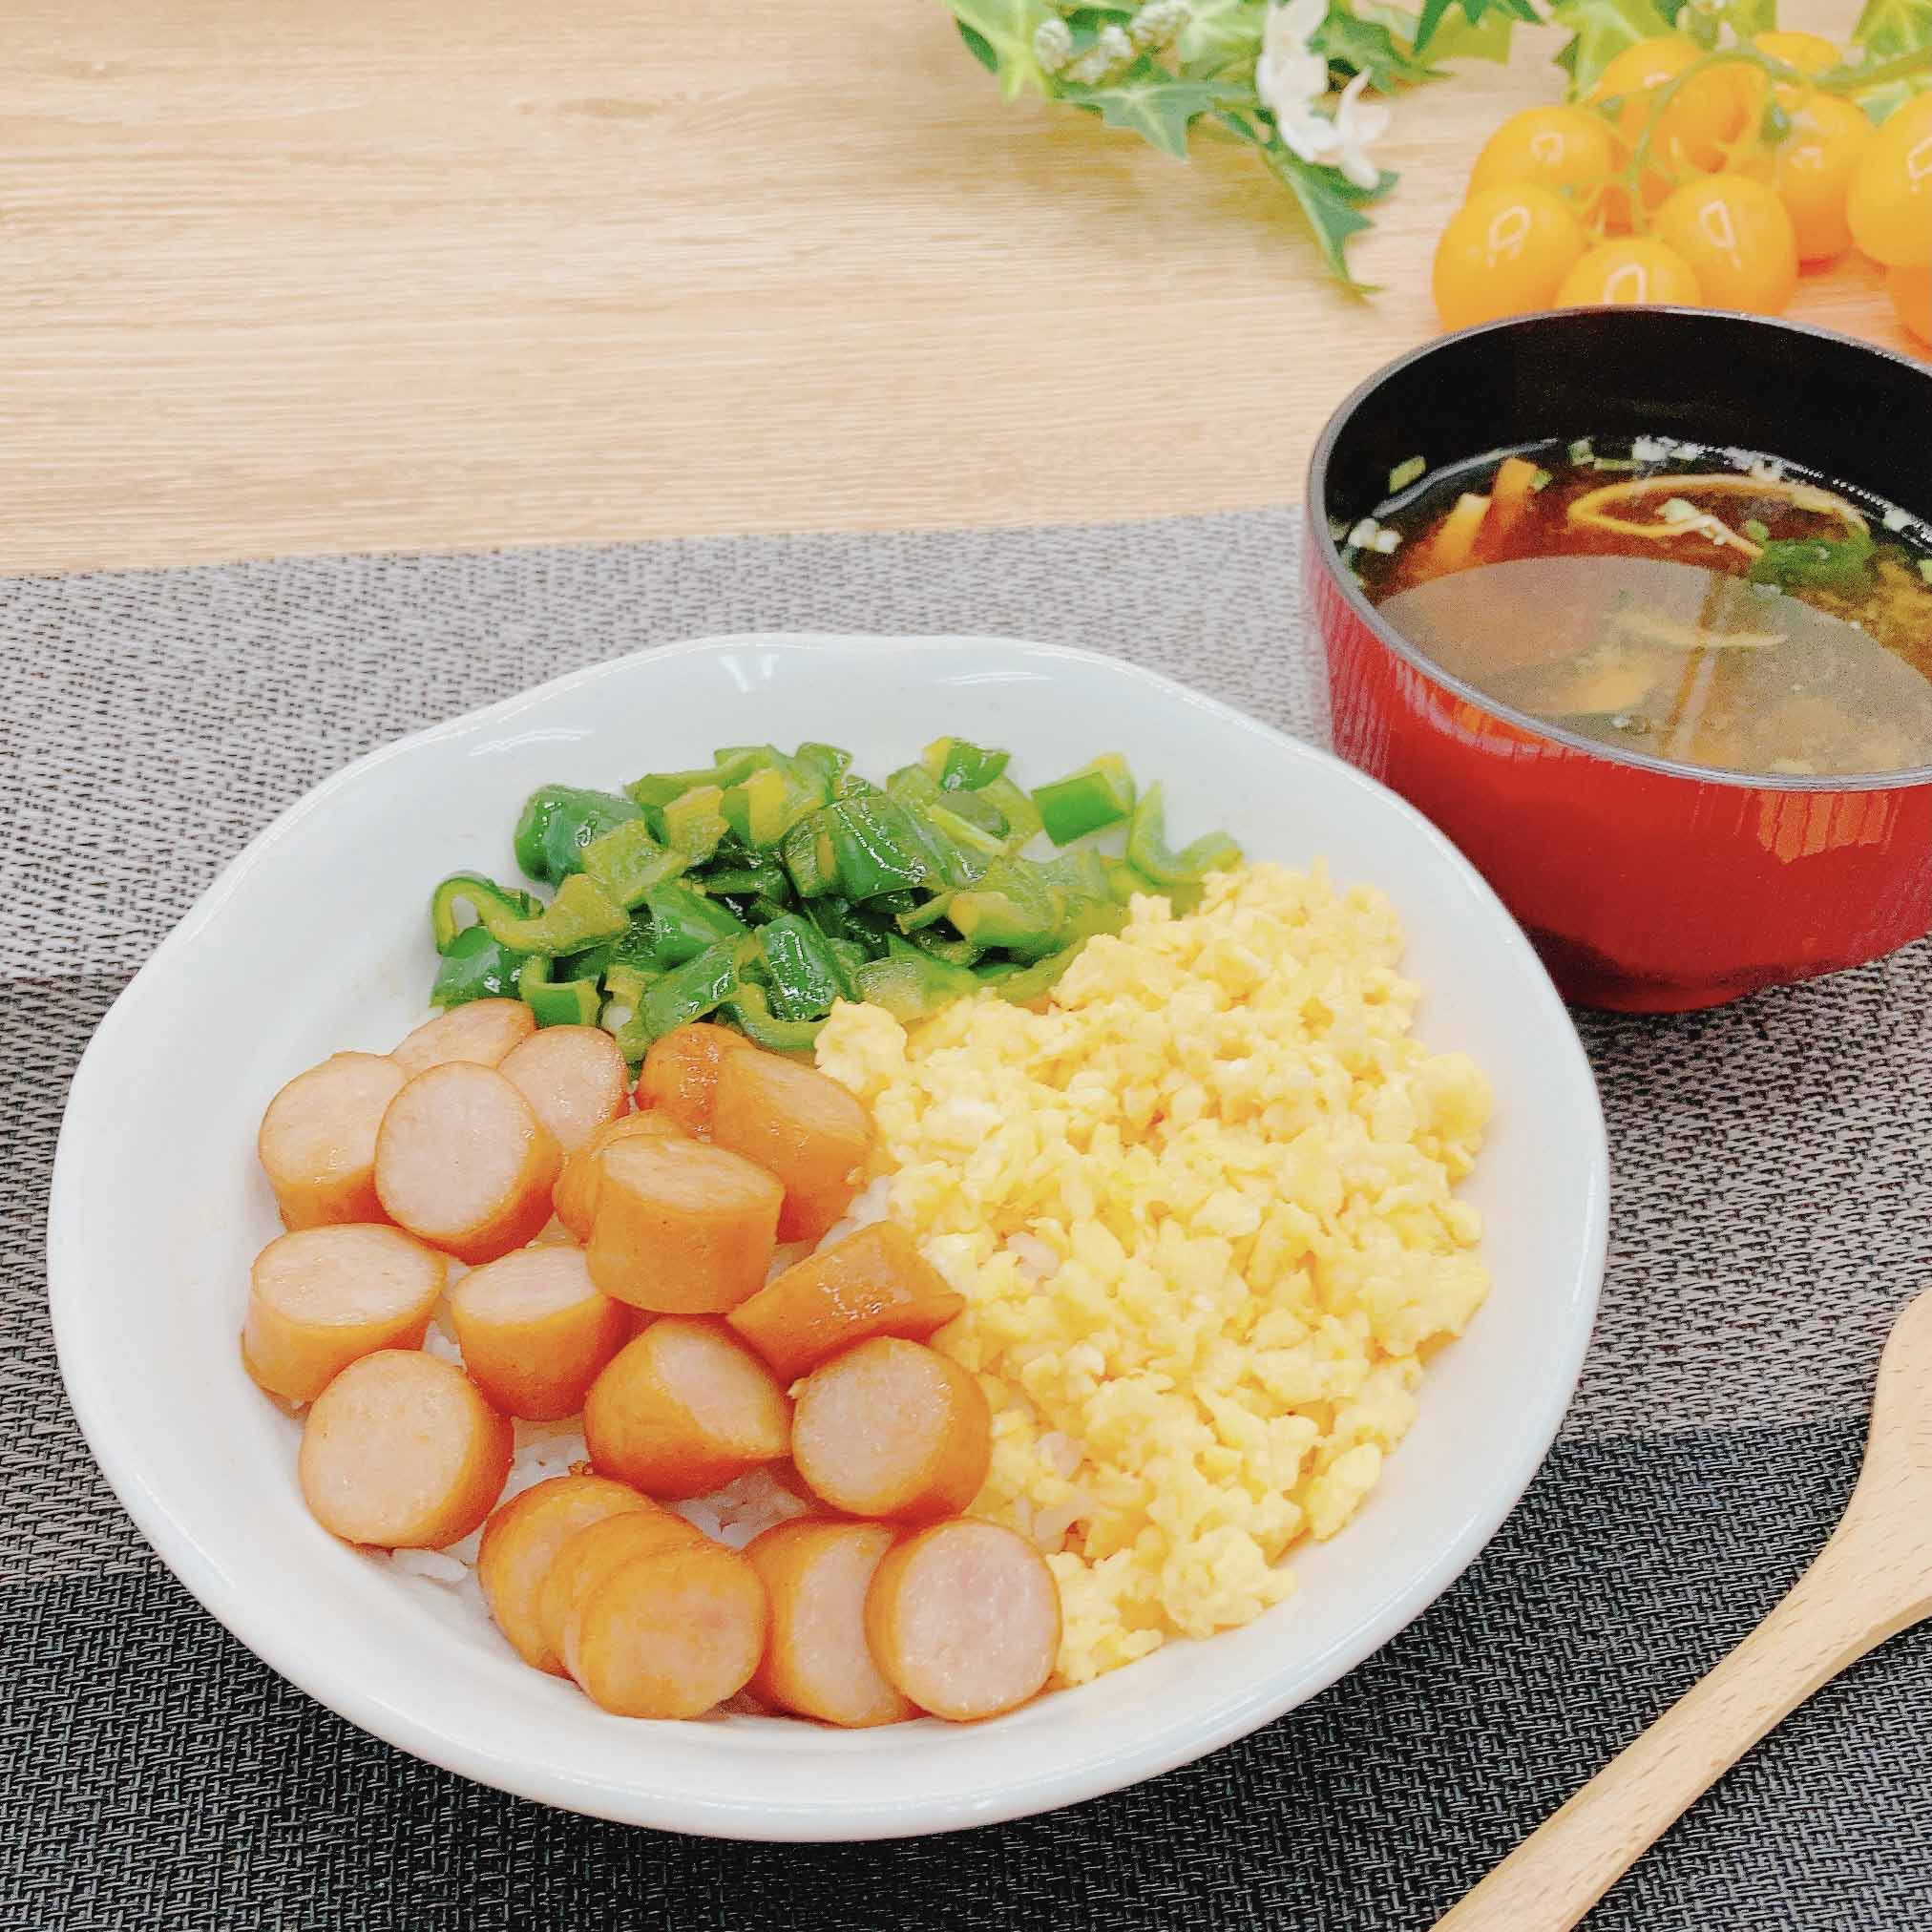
(1706,607)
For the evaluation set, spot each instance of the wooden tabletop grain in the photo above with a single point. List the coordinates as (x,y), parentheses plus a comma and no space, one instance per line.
(348,275)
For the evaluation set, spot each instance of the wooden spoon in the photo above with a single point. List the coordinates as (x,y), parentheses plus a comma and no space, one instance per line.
(1871,1581)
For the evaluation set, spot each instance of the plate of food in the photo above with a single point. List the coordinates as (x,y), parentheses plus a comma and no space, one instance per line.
(828,1237)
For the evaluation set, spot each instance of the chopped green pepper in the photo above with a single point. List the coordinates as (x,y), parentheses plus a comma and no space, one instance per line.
(625,982)
(1014,907)
(683,922)
(909,985)
(475,967)
(748,880)
(954,951)
(963,831)
(828,761)
(474,889)
(958,765)
(1147,847)
(580,915)
(1101,794)
(1019,812)
(850,957)
(691,991)
(656,789)
(1024,984)
(761,808)
(869,846)
(573,1002)
(752,1012)
(767,887)
(628,862)
(592,963)
(559,821)
(806,974)
(1080,875)
(694,824)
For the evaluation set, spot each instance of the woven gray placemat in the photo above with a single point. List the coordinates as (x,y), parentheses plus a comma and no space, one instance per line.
(1770,1217)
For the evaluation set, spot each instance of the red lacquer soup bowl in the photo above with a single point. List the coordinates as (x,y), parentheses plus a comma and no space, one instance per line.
(1646,886)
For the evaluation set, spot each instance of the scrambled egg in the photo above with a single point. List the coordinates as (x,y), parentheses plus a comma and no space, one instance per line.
(1201,1211)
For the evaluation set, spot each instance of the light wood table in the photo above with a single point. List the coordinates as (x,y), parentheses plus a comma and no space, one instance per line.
(348,275)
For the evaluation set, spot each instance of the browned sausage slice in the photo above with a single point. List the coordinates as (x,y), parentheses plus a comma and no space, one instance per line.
(321,1297)
(318,1139)
(680,1228)
(892,1428)
(964,1618)
(574,1078)
(534,1331)
(577,1185)
(679,1074)
(597,1551)
(463,1164)
(520,1543)
(872,1283)
(482,1032)
(402,1451)
(816,1662)
(798,1125)
(671,1635)
(684,1409)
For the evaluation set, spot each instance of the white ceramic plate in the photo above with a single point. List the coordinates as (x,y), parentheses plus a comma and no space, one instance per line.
(316,938)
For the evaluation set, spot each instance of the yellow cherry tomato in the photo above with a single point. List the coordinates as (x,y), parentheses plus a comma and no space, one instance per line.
(1504,253)
(1814,173)
(1738,239)
(1555,147)
(1890,204)
(1911,293)
(1635,269)
(1699,121)
(1808,53)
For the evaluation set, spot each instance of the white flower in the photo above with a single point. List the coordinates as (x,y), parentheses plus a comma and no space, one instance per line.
(1111,50)
(1357,129)
(1291,79)
(1157,23)
(1053,44)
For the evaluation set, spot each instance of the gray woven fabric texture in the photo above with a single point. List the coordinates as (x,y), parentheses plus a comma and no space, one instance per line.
(1770,1218)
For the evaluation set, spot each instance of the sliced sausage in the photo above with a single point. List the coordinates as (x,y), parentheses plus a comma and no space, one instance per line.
(670,1635)
(520,1543)
(402,1451)
(680,1228)
(892,1429)
(574,1078)
(482,1030)
(872,1283)
(574,1198)
(798,1125)
(595,1552)
(816,1660)
(463,1164)
(323,1297)
(318,1139)
(684,1409)
(679,1074)
(534,1331)
(964,1619)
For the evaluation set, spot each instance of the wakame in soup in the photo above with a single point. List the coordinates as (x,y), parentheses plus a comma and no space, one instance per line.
(1713,608)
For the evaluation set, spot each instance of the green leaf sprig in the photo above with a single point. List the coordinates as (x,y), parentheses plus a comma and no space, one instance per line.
(1171,69)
